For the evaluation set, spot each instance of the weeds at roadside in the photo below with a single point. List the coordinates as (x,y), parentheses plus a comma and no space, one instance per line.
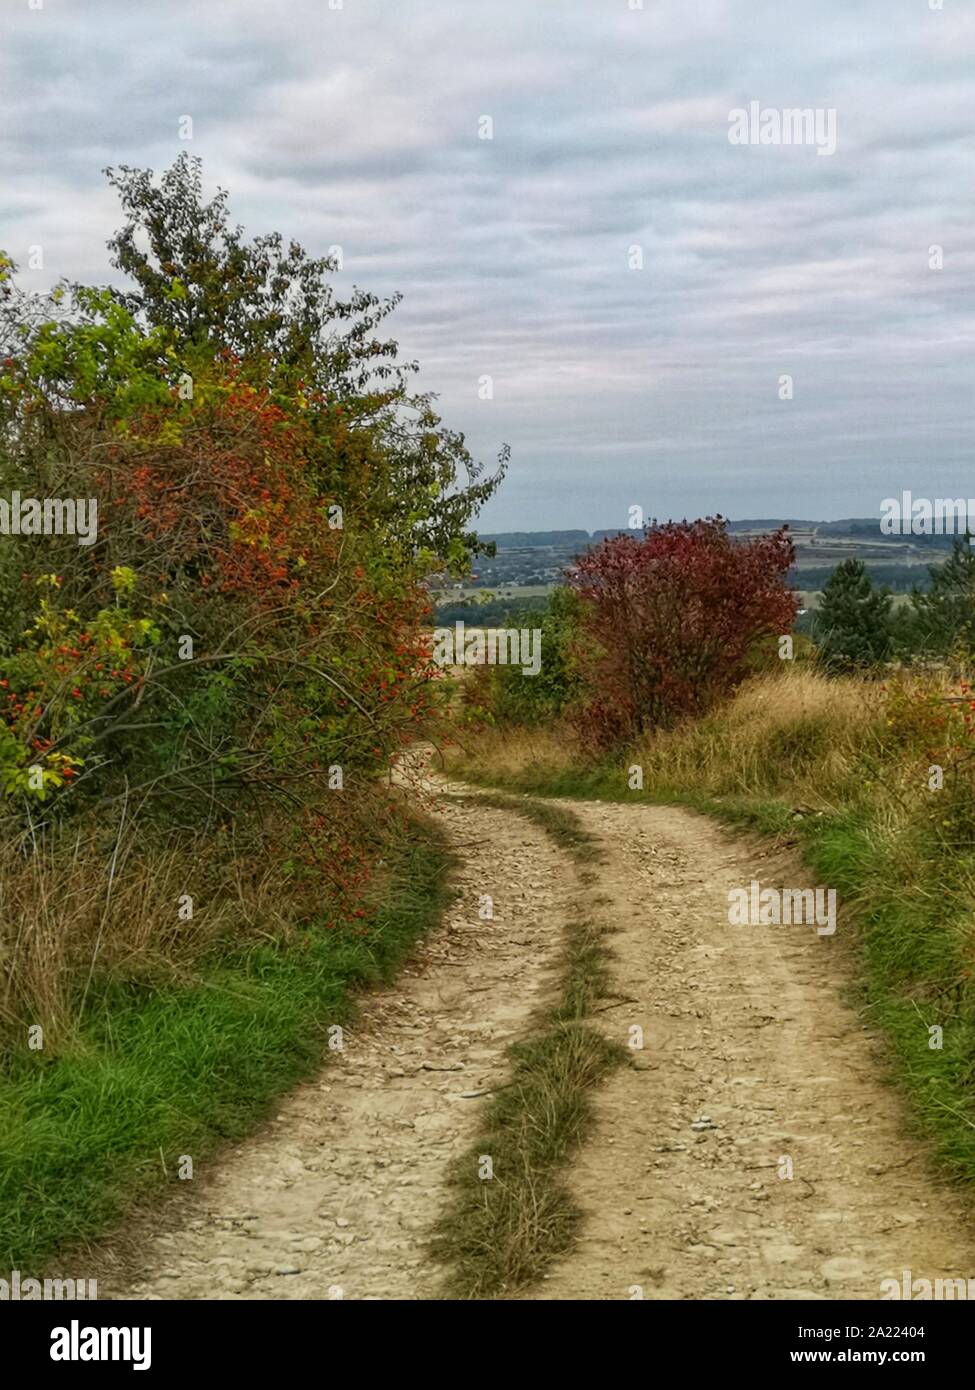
(189,1068)
(840,769)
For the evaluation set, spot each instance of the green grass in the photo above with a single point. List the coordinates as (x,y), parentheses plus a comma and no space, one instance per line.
(499,1235)
(905,895)
(184,1071)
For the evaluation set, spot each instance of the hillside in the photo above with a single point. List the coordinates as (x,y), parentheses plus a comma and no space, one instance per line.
(528,563)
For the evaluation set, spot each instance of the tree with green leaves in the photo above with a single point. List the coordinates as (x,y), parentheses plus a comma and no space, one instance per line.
(513,698)
(269,305)
(263,494)
(853,623)
(263,301)
(942,619)
(201,294)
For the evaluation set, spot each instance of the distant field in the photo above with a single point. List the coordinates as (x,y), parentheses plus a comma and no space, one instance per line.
(809,597)
(499,591)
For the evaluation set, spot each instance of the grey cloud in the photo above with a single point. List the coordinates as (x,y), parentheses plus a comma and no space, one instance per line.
(359,127)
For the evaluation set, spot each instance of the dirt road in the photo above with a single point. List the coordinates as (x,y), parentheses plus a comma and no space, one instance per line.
(751,1151)
(751,1060)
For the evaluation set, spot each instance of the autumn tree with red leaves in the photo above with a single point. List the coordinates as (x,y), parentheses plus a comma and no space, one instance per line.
(242,645)
(668,621)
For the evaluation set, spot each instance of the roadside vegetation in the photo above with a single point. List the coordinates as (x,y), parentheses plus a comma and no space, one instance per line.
(158,1077)
(201,699)
(867,765)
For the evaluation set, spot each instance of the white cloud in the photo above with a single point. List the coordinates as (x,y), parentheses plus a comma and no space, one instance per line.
(359,127)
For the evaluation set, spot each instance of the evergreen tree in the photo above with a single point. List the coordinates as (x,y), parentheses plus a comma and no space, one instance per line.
(943,618)
(853,626)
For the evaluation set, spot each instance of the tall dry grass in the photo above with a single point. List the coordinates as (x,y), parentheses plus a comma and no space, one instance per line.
(79,910)
(792,728)
(843,769)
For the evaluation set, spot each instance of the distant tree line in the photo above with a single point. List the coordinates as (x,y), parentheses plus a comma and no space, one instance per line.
(900,579)
(494,613)
(652,629)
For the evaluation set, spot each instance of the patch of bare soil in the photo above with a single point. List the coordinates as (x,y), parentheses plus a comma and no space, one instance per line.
(335,1198)
(752,1066)
(753,1151)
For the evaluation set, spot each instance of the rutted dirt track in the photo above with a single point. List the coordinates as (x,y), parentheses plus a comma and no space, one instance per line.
(750,1056)
(745,1031)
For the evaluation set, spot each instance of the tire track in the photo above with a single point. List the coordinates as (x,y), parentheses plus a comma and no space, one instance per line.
(751,1061)
(337,1195)
(752,1067)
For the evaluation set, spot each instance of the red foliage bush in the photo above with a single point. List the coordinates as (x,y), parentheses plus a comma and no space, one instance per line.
(668,621)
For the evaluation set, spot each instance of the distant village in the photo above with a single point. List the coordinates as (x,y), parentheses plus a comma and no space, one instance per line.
(527,564)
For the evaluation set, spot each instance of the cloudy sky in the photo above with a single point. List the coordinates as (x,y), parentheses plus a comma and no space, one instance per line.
(360,126)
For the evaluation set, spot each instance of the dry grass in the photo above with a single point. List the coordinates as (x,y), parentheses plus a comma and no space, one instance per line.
(92,910)
(793,729)
(841,768)
(77,911)
(509,754)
